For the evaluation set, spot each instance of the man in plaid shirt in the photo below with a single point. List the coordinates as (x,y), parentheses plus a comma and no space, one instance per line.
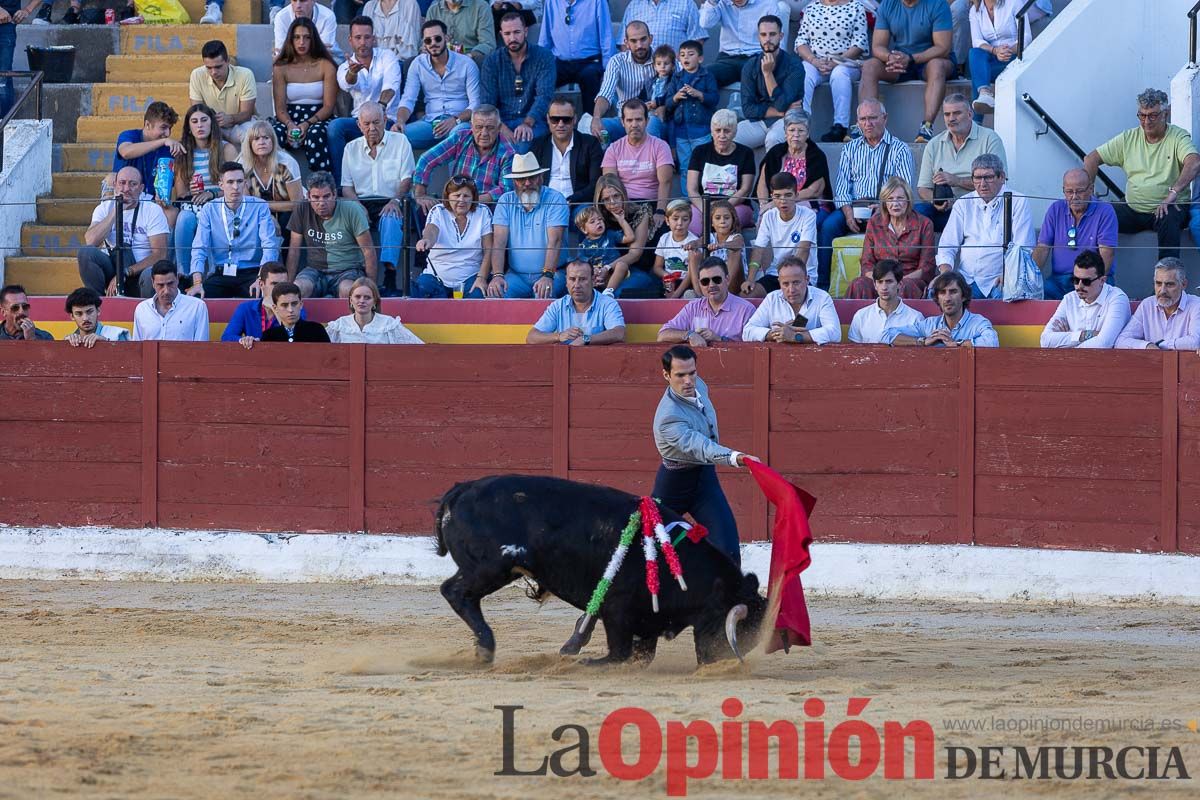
(477,151)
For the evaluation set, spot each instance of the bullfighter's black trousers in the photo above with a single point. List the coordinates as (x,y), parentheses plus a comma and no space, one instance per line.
(697,491)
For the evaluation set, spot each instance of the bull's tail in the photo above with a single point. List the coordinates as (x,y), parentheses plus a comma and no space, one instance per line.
(443,513)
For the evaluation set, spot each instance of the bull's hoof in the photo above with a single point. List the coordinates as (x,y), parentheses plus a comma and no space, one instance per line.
(579,639)
(484,655)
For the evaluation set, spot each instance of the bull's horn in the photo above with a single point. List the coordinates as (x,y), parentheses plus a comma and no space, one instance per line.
(735,615)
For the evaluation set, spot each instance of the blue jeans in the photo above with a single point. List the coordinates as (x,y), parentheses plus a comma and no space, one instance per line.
(637,280)
(1193,225)
(683,151)
(1057,287)
(520,285)
(617,131)
(697,491)
(8,44)
(341,131)
(185,233)
(938,218)
(426,286)
(540,129)
(391,239)
(420,134)
(985,68)
(976,294)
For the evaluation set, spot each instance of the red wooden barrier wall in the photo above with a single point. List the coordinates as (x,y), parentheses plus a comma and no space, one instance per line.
(1092,450)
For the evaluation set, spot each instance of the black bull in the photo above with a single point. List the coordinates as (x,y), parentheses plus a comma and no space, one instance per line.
(561,535)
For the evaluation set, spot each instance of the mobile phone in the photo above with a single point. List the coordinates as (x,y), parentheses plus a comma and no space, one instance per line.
(800,321)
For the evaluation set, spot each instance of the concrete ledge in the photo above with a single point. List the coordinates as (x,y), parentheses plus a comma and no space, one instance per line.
(93,44)
(65,103)
(949,572)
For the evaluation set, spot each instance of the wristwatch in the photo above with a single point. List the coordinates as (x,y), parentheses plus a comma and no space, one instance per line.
(587,339)
(921,342)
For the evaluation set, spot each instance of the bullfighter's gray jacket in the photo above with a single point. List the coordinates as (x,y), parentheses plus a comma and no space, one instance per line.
(685,431)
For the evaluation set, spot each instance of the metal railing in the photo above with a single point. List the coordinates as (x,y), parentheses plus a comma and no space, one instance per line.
(1066,139)
(1191,15)
(34,88)
(1021,27)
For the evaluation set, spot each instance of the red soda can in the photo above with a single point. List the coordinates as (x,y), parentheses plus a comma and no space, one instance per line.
(110,16)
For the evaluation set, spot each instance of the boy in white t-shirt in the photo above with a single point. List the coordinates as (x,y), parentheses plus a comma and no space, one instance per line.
(785,230)
(678,251)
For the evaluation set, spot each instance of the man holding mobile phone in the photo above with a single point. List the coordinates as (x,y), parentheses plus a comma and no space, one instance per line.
(795,313)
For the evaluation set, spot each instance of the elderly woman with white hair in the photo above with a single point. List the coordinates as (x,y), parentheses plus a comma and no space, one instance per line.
(721,168)
(800,156)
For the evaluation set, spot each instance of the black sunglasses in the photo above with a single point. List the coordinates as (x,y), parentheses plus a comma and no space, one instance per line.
(1078,281)
(519,86)
(19,307)
(715,279)
(433,39)
(462,180)
(1071,236)
(561,120)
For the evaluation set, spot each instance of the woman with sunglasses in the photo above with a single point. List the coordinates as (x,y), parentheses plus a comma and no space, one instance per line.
(897,232)
(304,83)
(458,239)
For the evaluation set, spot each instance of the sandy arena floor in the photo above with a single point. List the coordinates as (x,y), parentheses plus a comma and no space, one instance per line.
(182,690)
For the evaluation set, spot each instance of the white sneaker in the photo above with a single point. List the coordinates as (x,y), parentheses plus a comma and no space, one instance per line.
(986,102)
(275,13)
(212,15)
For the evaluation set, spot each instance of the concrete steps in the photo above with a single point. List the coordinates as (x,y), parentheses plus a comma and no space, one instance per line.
(236,12)
(153,69)
(87,157)
(119,99)
(51,240)
(147,40)
(74,211)
(71,185)
(41,276)
(105,130)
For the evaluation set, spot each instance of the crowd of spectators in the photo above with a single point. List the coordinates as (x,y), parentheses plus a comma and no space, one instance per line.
(645,179)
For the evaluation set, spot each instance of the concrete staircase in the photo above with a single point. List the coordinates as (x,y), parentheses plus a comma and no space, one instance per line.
(154,64)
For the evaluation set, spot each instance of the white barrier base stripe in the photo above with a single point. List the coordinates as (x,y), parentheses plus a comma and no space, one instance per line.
(943,572)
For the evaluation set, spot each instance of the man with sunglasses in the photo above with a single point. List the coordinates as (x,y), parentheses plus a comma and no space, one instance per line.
(714,316)
(573,156)
(450,83)
(1160,162)
(579,34)
(470,26)
(17,324)
(1072,225)
(974,235)
(519,79)
(233,238)
(1093,315)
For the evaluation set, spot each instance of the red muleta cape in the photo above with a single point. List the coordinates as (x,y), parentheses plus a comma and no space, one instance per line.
(790,539)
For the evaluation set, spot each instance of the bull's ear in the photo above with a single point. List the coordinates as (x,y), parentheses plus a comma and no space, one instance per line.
(749,584)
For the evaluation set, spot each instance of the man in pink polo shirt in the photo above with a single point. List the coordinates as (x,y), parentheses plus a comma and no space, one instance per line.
(644,163)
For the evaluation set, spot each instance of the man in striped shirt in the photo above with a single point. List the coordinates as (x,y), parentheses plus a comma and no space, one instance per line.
(670,21)
(866,165)
(477,151)
(626,75)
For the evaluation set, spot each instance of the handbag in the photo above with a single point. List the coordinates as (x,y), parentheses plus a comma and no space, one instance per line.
(1022,278)
(867,201)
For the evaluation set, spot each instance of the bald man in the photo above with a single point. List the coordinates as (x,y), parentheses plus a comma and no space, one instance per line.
(144,238)
(1076,223)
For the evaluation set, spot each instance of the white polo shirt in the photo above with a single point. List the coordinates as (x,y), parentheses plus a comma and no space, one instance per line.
(379,176)
(871,321)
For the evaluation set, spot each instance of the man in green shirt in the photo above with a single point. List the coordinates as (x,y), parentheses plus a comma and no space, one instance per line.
(336,237)
(1160,162)
(470,26)
(946,162)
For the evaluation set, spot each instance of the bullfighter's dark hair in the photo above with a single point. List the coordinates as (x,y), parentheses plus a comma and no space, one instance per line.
(680,352)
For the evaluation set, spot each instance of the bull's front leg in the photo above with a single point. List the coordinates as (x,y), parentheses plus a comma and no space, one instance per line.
(620,641)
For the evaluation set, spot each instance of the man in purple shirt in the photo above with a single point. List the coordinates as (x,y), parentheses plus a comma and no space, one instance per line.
(1077,223)
(1169,321)
(715,316)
